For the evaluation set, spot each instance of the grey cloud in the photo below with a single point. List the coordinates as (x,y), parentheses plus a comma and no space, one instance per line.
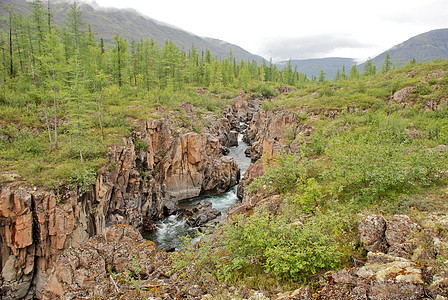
(430,13)
(307,47)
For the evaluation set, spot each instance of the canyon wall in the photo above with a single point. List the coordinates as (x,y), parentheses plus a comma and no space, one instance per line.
(145,179)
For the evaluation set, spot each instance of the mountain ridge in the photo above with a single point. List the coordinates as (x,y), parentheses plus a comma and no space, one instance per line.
(132,24)
(423,47)
(312,66)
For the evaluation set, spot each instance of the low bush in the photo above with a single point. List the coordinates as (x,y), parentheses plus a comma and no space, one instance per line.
(282,172)
(374,162)
(288,245)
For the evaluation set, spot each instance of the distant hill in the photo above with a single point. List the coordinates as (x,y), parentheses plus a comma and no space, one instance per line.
(312,67)
(423,47)
(133,25)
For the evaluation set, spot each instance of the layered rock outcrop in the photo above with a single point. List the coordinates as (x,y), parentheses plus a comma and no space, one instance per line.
(35,228)
(383,277)
(105,266)
(145,179)
(200,214)
(269,133)
(402,262)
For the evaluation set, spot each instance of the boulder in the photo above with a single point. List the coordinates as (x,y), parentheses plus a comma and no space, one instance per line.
(222,175)
(233,139)
(371,233)
(383,277)
(403,94)
(399,229)
(200,214)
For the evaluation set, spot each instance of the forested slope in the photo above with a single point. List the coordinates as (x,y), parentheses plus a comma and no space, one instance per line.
(67,96)
(131,25)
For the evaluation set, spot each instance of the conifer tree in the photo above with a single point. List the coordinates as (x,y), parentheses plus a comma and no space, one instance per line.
(322,77)
(120,55)
(354,73)
(3,57)
(387,64)
(369,68)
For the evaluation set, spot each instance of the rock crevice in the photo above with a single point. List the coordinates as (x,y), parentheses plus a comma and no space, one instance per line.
(145,179)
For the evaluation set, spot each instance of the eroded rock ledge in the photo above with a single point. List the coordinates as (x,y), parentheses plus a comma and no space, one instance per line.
(98,268)
(146,178)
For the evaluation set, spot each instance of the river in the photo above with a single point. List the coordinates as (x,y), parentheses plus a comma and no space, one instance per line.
(169,230)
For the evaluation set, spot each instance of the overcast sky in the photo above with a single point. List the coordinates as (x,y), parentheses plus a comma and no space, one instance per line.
(284,29)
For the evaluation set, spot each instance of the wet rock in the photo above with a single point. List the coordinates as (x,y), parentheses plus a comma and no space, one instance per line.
(242,127)
(200,214)
(247,152)
(225,150)
(223,175)
(233,139)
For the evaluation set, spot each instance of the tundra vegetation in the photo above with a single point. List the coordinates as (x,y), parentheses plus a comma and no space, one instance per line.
(65,96)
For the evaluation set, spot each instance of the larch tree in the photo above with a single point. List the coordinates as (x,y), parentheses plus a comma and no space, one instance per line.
(387,64)
(369,68)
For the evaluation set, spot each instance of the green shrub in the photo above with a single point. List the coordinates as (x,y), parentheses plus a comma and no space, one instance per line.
(423,89)
(140,145)
(308,196)
(265,90)
(317,142)
(373,164)
(290,250)
(281,174)
(326,91)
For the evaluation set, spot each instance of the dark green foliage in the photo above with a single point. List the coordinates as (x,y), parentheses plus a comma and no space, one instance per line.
(62,88)
(326,91)
(265,90)
(282,173)
(374,163)
(387,64)
(317,142)
(286,246)
(369,68)
(286,249)
(423,89)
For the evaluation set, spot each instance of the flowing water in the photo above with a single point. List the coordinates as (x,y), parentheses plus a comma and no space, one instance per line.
(170,229)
